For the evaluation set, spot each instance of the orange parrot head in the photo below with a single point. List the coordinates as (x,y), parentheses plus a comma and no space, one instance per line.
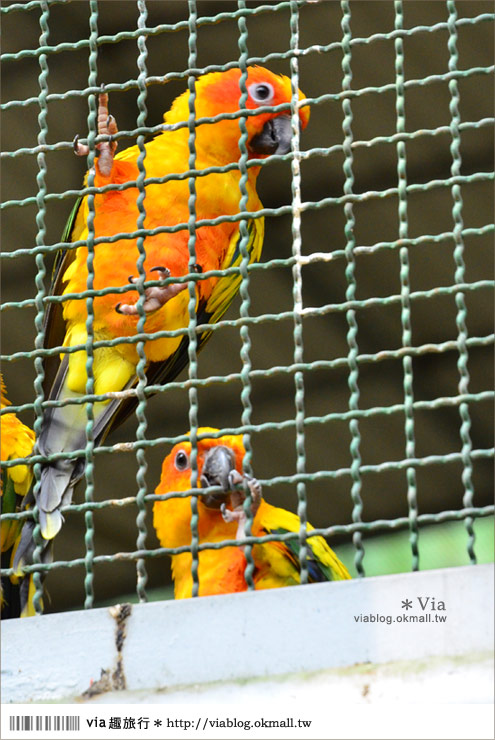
(219,93)
(216,458)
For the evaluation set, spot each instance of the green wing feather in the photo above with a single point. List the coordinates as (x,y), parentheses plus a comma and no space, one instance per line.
(10,528)
(323,564)
(54,324)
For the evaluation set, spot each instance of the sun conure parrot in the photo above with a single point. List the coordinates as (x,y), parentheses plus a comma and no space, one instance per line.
(222,517)
(167,254)
(16,441)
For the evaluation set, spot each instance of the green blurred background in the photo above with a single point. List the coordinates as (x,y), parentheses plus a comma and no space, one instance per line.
(384,494)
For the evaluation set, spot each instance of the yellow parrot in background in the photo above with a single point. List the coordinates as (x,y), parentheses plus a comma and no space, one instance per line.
(217,247)
(222,517)
(16,441)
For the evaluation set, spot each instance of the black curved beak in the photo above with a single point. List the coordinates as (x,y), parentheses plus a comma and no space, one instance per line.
(218,463)
(275,137)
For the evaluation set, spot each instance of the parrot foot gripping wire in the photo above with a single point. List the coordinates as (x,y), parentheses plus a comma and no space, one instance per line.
(237,498)
(107,126)
(156,296)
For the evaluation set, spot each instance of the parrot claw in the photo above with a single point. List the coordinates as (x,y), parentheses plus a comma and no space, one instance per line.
(255,490)
(107,126)
(195,268)
(155,297)
(253,484)
(227,514)
(235,478)
(237,498)
(80,150)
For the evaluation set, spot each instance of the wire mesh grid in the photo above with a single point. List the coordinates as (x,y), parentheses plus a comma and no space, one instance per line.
(362,339)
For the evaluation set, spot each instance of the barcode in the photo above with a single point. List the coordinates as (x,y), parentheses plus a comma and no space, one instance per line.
(60,723)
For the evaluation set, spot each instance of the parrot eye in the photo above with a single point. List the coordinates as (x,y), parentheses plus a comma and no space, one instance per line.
(181,460)
(261,92)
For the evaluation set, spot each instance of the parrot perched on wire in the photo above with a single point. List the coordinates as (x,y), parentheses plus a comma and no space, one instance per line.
(16,441)
(222,517)
(217,247)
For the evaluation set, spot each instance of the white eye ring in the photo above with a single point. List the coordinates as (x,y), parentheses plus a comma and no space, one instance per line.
(181,461)
(261,92)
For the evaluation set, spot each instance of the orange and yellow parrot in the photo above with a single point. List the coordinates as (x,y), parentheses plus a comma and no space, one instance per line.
(16,441)
(217,247)
(222,517)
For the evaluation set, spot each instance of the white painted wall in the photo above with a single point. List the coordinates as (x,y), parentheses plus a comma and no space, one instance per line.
(176,650)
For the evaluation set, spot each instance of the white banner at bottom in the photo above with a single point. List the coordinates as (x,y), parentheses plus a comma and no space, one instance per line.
(253,721)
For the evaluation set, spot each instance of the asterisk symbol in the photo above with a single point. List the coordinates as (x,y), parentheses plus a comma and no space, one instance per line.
(158,723)
(406,604)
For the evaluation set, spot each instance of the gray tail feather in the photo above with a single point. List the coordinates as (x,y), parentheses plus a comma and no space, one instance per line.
(64,430)
(46,557)
(57,483)
(25,550)
(58,486)
(24,592)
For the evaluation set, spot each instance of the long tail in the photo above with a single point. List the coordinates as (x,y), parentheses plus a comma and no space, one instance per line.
(9,594)
(17,591)
(63,431)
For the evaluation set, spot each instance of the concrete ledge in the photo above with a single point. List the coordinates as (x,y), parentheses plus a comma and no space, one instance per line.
(251,635)
(465,679)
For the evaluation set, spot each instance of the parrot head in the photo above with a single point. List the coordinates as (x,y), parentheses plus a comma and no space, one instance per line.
(216,458)
(219,92)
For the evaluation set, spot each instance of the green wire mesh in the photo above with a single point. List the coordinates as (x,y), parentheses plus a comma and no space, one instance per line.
(350,360)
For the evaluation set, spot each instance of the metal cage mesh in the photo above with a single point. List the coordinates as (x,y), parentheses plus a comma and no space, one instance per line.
(456,285)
